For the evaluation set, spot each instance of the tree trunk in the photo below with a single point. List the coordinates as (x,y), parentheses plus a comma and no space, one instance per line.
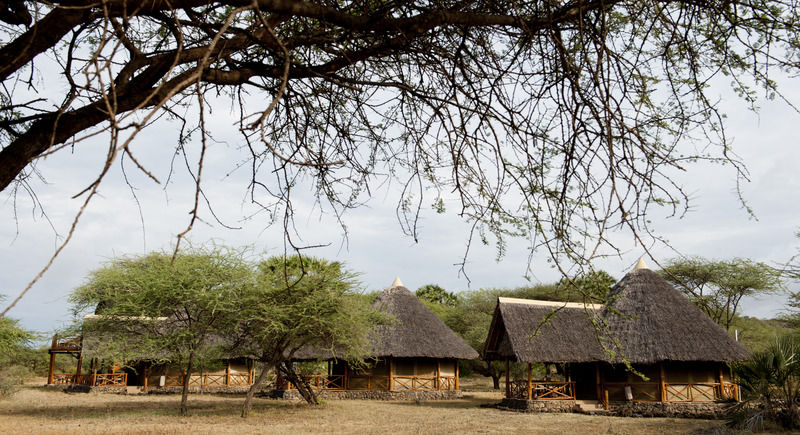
(495,381)
(185,390)
(252,391)
(302,386)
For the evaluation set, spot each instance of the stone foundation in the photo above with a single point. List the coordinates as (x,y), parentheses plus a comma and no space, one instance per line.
(705,410)
(523,405)
(708,410)
(121,389)
(372,395)
(209,389)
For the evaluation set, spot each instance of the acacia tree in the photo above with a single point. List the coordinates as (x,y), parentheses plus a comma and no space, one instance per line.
(302,302)
(718,286)
(558,121)
(173,310)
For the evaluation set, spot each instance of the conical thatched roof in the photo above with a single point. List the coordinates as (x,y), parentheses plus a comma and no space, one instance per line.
(646,321)
(657,323)
(414,332)
(542,331)
(417,332)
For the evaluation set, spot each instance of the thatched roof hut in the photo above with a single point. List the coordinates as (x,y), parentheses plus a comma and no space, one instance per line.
(677,352)
(415,331)
(416,352)
(527,330)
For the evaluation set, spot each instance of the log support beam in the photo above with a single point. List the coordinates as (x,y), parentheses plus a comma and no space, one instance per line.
(508,381)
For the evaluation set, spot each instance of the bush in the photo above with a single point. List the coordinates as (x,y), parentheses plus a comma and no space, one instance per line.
(12,378)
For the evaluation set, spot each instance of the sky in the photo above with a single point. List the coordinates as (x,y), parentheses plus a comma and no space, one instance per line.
(717,226)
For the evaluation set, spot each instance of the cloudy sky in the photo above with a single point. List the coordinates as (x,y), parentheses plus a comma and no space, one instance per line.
(716,226)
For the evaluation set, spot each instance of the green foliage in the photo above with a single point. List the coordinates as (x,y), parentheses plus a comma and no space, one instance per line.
(170,310)
(771,378)
(14,340)
(304,301)
(590,287)
(718,286)
(15,344)
(436,294)
(11,379)
(758,334)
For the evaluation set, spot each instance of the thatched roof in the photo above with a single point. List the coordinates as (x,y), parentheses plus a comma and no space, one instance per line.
(658,323)
(646,320)
(415,332)
(543,331)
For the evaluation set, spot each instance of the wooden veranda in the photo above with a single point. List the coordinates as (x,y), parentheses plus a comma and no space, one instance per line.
(608,391)
(391,381)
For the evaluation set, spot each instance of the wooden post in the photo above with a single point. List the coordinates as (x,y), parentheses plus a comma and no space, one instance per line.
(94,371)
(228,373)
(605,402)
(456,362)
(52,366)
(662,382)
(508,381)
(721,384)
(250,376)
(438,374)
(597,380)
(530,379)
(78,369)
(391,373)
(146,367)
(346,376)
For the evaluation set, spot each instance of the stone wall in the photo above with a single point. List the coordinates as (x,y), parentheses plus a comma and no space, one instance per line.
(210,389)
(711,410)
(708,410)
(372,395)
(524,405)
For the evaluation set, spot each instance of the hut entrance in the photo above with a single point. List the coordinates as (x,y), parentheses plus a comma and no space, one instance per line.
(585,377)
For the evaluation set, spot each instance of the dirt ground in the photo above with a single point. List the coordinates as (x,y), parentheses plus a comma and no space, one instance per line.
(36,409)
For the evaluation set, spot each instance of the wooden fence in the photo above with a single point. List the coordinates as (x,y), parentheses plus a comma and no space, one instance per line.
(97,380)
(369,382)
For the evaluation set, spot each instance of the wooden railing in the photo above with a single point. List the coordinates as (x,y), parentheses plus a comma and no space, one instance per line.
(208,379)
(673,392)
(640,391)
(98,380)
(543,390)
(369,382)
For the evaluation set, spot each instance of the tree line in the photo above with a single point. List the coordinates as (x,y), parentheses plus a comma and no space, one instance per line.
(210,303)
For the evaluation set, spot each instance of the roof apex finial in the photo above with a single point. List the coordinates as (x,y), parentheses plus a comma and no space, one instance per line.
(640,264)
(397,282)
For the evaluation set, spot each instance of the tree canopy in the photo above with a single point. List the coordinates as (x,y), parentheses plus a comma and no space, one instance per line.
(558,121)
(718,286)
(303,302)
(167,309)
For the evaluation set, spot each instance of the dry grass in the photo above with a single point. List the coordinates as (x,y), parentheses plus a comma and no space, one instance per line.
(39,410)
